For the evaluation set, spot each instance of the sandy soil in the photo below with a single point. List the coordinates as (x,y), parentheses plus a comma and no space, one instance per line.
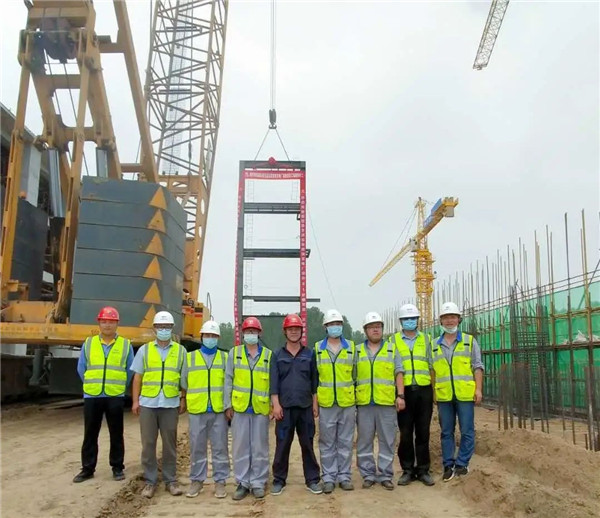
(514,473)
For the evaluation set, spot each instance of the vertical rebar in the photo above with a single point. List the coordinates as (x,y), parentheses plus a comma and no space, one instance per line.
(570,331)
(531,421)
(590,404)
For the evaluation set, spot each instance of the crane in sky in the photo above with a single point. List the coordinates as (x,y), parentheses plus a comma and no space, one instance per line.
(422,258)
(490,33)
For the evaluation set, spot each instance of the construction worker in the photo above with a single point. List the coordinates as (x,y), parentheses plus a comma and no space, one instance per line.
(158,393)
(103,367)
(414,421)
(457,374)
(294,381)
(337,403)
(379,395)
(246,400)
(204,401)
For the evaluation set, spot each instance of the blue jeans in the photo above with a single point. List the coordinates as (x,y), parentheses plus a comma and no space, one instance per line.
(447,412)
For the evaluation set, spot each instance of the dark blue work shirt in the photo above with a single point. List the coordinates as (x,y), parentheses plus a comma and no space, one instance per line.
(294,378)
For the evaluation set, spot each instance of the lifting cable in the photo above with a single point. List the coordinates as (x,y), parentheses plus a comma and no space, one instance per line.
(273,85)
(402,232)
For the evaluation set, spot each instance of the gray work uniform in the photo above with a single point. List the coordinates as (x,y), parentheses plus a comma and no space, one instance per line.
(159,414)
(336,433)
(207,426)
(250,435)
(377,420)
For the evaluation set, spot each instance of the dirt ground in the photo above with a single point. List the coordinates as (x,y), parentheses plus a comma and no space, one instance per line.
(514,473)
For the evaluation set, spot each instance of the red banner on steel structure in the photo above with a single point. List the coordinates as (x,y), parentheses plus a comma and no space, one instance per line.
(269,171)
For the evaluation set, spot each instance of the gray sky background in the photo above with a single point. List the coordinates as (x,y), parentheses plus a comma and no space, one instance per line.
(380,100)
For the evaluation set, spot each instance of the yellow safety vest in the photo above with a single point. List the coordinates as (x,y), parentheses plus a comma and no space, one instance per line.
(455,379)
(105,374)
(251,384)
(415,362)
(376,379)
(336,380)
(205,383)
(159,375)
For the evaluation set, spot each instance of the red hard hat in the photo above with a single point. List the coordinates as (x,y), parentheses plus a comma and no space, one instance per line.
(108,313)
(251,323)
(292,320)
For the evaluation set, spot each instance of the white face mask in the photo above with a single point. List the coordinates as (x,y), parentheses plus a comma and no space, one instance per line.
(450,330)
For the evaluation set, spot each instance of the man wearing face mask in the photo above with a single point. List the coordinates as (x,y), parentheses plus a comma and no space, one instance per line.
(336,397)
(414,421)
(294,381)
(160,377)
(204,399)
(457,374)
(247,405)
(379,395)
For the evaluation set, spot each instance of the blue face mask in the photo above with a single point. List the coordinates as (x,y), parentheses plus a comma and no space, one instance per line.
(211,343)
(334,331)
(164,334)
(250,339)
(410,324)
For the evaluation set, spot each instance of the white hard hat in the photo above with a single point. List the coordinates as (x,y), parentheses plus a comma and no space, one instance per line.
(333,315)
(163,317)
(408,311)
(371,317)
(449,308)
(210,326)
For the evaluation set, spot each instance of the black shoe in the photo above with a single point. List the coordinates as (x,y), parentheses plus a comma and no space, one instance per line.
(461,471)
(388,484)
(83,476)
(328,487)
(426,478)
(448,473)
(118,474)
(240,493)
(368,484)
(405,479)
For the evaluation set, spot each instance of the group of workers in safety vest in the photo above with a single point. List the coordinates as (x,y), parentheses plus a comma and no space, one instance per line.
(374,387)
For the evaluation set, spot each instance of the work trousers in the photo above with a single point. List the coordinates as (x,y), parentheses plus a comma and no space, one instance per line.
(301,421)
(94,409)
(448,412)
(202,428)
(414,423)
(250,441)
(152,421)
(336,437)
(380,421)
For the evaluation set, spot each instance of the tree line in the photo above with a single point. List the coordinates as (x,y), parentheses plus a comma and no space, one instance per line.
(272,334)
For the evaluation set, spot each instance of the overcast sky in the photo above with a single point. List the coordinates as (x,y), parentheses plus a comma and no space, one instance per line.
(381,101)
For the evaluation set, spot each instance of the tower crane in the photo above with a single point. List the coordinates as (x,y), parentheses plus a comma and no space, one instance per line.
(490,33)
(422,258)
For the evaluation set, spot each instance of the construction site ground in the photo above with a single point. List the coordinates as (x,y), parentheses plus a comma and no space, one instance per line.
(513,473)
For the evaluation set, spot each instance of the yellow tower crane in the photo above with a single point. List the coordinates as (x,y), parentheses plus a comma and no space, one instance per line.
(422,258)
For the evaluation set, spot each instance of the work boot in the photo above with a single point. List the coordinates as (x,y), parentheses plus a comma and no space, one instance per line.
(328,487)
(220,491)
(174,489)
(118,474)
(368,484)
(240,493)
(346,485)
(448,473)
(426,478)
(316,488)
(405,479)
(258,492)
(149,490)
(195,489)
(82,476)
(388,484)
(461,471)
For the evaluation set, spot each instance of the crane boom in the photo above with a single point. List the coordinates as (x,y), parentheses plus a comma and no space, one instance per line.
(490,33)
